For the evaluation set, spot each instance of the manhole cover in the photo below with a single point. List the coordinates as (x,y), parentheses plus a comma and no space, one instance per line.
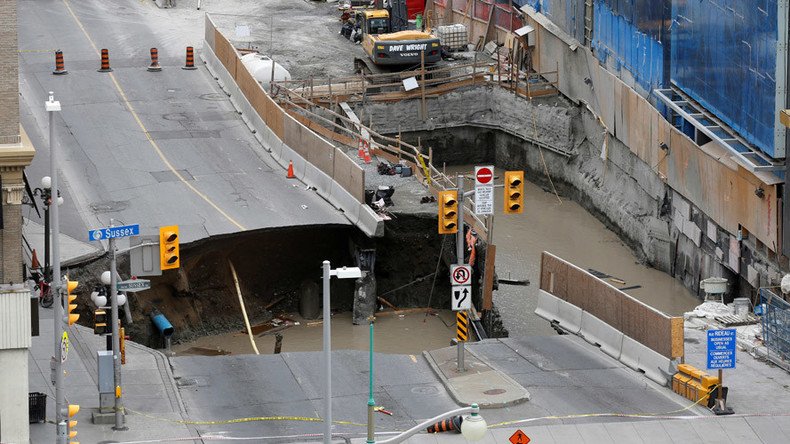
(494,392)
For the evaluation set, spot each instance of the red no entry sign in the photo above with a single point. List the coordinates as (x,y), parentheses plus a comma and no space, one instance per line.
(484,175)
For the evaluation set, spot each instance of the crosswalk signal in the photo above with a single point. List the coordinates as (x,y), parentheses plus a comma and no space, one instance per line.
(100,322)
(168,248)
(448,212)
(514,192)
(71,316)
(71,423)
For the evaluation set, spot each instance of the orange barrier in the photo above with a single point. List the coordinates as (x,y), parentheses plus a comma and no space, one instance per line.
(154,66)
(105,61)
(60,65)
(190,62)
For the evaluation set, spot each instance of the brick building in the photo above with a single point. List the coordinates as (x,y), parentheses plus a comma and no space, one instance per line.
(16,152)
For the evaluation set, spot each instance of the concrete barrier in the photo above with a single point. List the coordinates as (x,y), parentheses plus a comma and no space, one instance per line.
(327,187)
(554,309)
(598,332)
(639,357)
(548,306)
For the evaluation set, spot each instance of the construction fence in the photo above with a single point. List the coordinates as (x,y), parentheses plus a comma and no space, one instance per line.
(776,327)
(484,18)
(640,322)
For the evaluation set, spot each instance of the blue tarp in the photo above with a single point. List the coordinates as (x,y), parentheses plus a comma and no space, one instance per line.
(724,56)
(631,32)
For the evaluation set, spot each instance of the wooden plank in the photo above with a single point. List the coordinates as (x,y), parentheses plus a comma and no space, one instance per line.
(678,348)
(488,278)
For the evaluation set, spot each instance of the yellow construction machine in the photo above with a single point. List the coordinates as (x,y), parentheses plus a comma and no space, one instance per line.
(385,47)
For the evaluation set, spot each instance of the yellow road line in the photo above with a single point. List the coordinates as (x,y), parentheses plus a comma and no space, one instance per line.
(145,130)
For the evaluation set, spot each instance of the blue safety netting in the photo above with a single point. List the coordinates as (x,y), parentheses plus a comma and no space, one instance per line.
(630,35)
(567,14)
(724,56)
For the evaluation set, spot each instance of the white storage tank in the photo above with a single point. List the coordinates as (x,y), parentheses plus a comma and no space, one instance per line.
(260,66)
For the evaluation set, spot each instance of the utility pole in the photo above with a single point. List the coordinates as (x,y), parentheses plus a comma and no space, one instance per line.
(459,251)
(116,340)
(327,355)
(52,106)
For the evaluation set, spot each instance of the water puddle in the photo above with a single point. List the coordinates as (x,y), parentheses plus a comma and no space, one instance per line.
(410,332)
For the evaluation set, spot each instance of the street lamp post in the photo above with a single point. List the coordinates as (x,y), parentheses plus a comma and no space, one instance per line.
(340,273)
(371,402)
(61,410)
(45,193)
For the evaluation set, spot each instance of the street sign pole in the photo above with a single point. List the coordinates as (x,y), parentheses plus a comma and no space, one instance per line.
(52,106)
(459,251)
(721,355)
(116,340)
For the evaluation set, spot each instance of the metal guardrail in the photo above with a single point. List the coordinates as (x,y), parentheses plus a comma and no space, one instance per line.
(776,327)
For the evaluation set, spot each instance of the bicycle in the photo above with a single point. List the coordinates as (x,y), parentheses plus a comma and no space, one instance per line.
(44,290)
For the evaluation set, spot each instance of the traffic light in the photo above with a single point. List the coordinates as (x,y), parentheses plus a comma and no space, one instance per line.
(70,287)
(100,322)
(514,192)
(448,212)
(71,423)
(168,247)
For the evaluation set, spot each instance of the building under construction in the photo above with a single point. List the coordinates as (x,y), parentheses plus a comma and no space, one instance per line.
(689,101)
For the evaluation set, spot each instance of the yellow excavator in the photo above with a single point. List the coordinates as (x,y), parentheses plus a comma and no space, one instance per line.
(387,42)
(385,47)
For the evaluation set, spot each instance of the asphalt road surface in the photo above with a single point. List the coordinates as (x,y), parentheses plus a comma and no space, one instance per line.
(154,148)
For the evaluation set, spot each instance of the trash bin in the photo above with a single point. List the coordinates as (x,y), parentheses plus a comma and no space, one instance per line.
(37,407)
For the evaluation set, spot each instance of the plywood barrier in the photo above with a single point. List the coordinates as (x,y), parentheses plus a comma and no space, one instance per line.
(653,329)
(313,148)
(226,53)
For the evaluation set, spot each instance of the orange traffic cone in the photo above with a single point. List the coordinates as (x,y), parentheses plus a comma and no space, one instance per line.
(446,425)
(60,66)
(34,263)
(154,66)
(291,174)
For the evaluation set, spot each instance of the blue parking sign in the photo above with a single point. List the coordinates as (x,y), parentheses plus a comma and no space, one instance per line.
(721,349)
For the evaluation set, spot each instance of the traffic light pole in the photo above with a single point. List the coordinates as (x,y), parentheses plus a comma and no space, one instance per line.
(116,340)
(61,416)
(459,253)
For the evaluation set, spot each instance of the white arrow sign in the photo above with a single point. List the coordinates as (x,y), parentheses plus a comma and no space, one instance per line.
(462,297)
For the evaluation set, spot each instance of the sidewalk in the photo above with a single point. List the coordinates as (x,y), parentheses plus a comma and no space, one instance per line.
(147,387)
(479,383)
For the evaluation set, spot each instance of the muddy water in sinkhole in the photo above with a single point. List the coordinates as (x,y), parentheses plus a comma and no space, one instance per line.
(564,229)
(570,232)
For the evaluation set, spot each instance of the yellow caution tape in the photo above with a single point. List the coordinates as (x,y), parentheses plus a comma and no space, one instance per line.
(242,420)
(608,415)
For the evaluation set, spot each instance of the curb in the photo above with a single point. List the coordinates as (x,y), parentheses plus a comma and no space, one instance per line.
(483,405)
(445,382)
